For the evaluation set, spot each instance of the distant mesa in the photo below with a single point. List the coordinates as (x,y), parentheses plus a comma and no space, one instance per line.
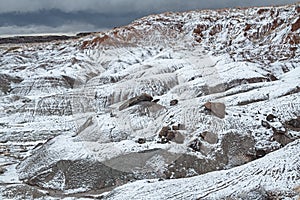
(40,38)
(167,134)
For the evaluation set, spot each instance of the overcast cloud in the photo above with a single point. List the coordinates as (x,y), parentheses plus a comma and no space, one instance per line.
(94,15)
(123,6)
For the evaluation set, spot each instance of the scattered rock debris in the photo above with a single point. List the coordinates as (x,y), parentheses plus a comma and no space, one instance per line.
(195,144)
(170,134)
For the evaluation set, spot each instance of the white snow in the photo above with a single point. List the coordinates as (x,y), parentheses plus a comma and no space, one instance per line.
(158,56)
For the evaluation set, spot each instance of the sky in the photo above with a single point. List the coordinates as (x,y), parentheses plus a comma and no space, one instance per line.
(21,17)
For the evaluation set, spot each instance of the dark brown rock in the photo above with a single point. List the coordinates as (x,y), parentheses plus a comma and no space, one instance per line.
(2,170)
(209,137)
(173,102)
(260,153)
(270,118)
(142,97)
(166,135)
(217,108)
(69,80)
(171,135)
(164,131)
(175,127)
(141,140)
(272,77)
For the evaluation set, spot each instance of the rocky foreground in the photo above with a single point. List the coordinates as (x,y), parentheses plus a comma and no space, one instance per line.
(195,105)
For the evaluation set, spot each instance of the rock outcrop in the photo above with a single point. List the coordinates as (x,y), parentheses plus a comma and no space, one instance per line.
(135,100)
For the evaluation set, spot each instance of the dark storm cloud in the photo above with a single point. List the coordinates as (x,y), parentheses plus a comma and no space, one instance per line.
(125,6)
(56,17)
(27,16)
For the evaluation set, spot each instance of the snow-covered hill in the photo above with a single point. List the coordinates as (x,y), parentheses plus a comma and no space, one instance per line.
(250,181)
(198,97)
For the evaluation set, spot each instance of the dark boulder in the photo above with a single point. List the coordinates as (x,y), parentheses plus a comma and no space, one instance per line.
(209,137)
(175,127)
(272,77)
(260,153)
(136,100)
(270,118)
(216,108)
(141,140)
(164,131)
(173,102)
(171,135)
(2,170)
(167,134)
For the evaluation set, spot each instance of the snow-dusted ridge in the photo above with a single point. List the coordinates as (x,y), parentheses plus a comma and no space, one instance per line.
(72,121)
(250,181)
